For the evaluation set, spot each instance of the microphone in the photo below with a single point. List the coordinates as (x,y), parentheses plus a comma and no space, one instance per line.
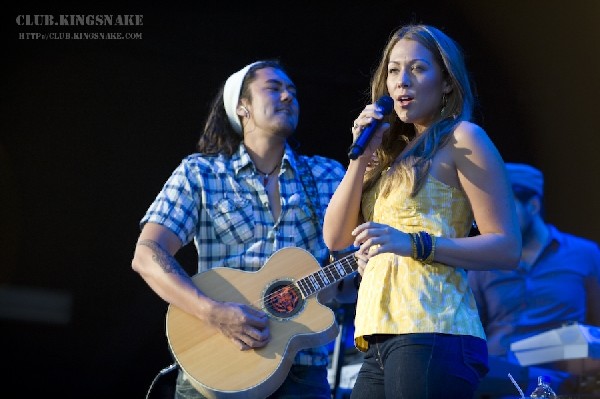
(386,103)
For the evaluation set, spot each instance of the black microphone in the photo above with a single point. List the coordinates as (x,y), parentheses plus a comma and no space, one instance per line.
(386,103)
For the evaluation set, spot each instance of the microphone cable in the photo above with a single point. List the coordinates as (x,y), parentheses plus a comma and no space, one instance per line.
(161,373)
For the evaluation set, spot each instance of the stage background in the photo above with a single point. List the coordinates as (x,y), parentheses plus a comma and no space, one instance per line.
(91,129)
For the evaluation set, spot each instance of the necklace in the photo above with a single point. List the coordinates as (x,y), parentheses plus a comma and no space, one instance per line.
(266,176)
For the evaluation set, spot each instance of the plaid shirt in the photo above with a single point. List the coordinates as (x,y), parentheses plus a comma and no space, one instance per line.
(221,204)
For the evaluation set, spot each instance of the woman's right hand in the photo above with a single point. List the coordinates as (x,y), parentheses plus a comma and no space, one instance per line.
(368,115)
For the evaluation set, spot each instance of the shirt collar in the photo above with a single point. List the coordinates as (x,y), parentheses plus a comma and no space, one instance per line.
(554,237)
(241,160)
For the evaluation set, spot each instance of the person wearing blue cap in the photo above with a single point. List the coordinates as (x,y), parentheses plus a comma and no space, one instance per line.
(557,282)
(245,194)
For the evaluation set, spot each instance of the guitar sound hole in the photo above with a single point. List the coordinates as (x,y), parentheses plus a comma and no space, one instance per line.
(282,299)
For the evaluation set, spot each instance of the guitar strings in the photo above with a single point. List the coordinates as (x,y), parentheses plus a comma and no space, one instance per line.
(325,268)
(274,294)
(331,266)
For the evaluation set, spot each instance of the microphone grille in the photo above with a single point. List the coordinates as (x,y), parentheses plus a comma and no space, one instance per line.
(386,103)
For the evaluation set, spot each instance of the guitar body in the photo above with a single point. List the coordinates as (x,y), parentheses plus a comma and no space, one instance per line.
(214,365)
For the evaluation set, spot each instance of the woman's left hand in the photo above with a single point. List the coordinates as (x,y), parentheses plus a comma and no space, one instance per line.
(375,238)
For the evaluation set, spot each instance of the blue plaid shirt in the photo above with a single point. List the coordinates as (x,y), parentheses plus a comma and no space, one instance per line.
(221,204)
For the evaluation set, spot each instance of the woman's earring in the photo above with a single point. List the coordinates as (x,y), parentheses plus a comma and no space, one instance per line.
(444,103)
(246,112)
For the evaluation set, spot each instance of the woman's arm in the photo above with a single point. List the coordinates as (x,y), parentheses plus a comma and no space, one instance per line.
(482,175)
(343,213)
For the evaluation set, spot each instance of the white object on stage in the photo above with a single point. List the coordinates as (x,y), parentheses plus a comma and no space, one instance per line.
(575,341)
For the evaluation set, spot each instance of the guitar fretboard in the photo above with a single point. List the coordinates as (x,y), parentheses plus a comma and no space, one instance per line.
(327,275)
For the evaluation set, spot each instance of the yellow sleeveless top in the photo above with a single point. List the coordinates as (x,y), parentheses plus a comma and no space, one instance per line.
(399,295)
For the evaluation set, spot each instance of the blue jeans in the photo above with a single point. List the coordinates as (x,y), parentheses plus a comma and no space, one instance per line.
(421,366)
(302,382)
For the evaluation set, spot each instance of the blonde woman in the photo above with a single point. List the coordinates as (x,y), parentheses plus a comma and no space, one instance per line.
(409,209)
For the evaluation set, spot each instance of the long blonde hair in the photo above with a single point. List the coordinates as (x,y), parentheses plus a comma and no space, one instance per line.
(406,155)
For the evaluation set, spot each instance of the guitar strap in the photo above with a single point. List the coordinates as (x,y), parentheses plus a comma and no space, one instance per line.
(310,188)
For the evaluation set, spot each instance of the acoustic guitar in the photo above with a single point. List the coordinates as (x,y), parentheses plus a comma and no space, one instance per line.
(285,289)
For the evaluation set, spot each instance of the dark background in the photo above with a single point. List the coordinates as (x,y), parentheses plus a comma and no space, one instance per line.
(91,129)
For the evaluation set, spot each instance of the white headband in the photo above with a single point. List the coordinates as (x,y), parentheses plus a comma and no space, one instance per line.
(231,95)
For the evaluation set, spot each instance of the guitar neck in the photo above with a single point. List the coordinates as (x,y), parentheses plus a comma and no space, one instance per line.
(327,275)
